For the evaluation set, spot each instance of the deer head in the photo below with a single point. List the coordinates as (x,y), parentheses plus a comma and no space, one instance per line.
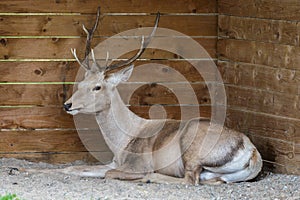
(96,89)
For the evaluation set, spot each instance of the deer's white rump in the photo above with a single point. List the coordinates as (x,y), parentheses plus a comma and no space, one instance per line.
(173,153)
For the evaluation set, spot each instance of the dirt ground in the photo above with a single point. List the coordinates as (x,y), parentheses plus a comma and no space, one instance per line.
(41,186)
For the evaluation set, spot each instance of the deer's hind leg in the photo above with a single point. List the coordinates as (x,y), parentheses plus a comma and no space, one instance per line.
(191,176)
(161,178)
(142,177)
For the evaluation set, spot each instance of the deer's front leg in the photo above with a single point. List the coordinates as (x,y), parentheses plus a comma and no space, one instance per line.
(121,175)
(87,171)
(82,170)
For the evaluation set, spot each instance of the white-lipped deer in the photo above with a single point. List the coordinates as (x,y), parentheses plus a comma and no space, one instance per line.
(171,155)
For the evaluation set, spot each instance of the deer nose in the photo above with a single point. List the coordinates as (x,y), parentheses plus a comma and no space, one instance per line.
(67,106)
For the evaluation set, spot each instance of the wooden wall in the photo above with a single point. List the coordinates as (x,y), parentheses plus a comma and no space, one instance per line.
(256,44)
(37,69)
(259,54)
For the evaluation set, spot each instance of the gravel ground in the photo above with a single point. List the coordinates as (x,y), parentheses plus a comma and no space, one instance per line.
(31,186)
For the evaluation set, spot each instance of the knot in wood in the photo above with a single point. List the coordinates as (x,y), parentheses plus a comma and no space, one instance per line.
(3,41)
(55,39)
(39,72)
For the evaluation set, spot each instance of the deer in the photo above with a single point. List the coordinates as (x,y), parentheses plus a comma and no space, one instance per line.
(171,155)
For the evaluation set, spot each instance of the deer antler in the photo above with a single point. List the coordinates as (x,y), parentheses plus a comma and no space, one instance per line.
(95,61)
(144,44)
(89,36)
(90,33)
(83,64)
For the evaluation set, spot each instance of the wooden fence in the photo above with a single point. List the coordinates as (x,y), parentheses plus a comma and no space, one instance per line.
(36,63)
(258,50)
(255,45)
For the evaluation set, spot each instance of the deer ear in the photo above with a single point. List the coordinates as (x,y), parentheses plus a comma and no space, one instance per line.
(120,76)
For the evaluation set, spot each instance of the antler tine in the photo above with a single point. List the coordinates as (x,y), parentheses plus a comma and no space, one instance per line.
(94,60)
(144,45)
(89,36)
(77,59)
(106,61)
(85,30)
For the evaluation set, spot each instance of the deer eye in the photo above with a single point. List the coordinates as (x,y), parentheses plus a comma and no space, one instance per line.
(97,88)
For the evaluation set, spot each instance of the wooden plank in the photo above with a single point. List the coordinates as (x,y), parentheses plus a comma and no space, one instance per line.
(58,48)
(35,118)
(260,77)
(275,55)
(277,151)
(55,141)
(275,31)
(66,71)
(272,135)
(264,125)
(65,25)
(172,112)
(286,105)
(59,158)
(149,94)
(271,9)
(165,93)
(57,118)
(24,117)
(40,141)
(38,71)
(297,153)
(107,6)
(34,94)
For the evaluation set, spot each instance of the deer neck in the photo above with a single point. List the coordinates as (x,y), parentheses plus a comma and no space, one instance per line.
(118,124)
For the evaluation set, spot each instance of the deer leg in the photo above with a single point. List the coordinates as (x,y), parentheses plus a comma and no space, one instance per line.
(82,170)
(88,171)
(121,175)
(161,178)
(192,174)
(211,178)
(212,181)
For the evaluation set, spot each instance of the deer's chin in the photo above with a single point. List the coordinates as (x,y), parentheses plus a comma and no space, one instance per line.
(73,112)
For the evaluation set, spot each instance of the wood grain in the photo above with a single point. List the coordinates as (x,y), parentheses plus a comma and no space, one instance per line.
(107,6)
(54,94)
(59,48)
(172,112)
(272,135)
(59,158)
(277,151)
(40,141)
(270,9)
(165,94)
(54,141)
(286,105)
(34,94)
(260,77)
(262,124)
(65,25)
(35,118)
(275,55)
(34,71)
(38,71)
(275,31)
(57,118)
(258,58)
